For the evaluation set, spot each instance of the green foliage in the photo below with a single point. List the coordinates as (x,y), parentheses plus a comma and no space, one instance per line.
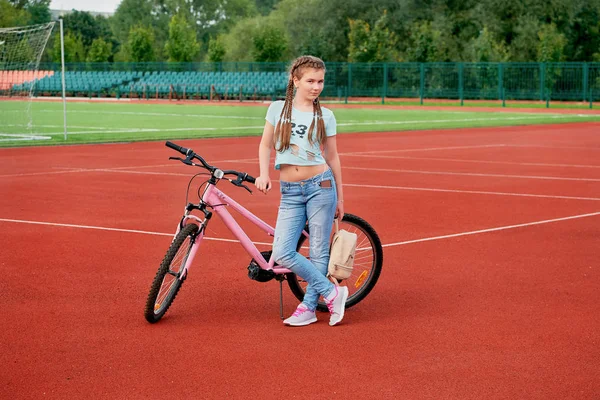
(270,44)
(148,13)
(82,24)
(341,30)
(216,49)
(100,51)
(140,44)
(371,45)
(74,49)
(239,42)
(423,39)
(264,7)
(486,49)
(39,11)
(551,45)
(12,16)
(182,45)
(524,45)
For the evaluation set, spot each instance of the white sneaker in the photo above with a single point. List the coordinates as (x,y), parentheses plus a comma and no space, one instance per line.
(337,304)
(302,316)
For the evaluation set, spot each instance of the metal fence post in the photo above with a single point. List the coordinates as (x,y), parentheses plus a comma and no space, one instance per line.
(349,92)
(501,82)
(385,82)
(585,79)
(461,83)
(422,83)
(542,80)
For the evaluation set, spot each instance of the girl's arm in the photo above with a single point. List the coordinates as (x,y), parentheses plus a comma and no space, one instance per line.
(333,160)
(263,182)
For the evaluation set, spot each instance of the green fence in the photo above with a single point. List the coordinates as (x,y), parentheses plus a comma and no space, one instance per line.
(457,81)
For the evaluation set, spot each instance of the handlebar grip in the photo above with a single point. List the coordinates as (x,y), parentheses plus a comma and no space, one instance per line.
(174,146)
(249,178)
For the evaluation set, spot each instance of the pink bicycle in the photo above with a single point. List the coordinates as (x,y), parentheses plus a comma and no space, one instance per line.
(191,229)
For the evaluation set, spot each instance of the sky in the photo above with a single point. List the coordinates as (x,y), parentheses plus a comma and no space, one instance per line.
(85,5)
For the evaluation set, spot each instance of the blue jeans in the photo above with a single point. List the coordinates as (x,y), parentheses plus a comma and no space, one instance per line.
(302,201)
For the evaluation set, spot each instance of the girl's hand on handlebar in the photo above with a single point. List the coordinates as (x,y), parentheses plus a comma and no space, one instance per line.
(263,184)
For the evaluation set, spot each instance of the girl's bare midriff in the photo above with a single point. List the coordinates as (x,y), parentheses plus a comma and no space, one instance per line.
(295,173)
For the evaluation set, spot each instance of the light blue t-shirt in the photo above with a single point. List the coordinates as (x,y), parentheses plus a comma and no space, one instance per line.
(301,152)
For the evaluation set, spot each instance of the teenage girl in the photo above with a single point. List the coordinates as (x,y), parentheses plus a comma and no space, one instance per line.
(303,135)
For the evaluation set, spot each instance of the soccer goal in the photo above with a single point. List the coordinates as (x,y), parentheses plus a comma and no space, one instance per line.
(21,49)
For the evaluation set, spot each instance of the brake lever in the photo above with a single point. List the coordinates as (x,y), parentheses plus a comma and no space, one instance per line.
(186,161)
(246,187)
(238,183)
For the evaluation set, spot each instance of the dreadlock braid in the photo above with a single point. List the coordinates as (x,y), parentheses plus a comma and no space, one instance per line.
(283,130)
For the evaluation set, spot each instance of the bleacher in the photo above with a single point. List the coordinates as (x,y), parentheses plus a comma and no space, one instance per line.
(192,84)
(10,79)
(156,84)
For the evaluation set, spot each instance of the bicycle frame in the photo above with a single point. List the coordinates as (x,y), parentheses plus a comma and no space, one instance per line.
(219,201)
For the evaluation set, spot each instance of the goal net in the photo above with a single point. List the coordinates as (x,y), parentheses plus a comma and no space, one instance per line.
(21,49)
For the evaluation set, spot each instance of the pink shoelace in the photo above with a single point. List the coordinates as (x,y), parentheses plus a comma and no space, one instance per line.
(330,302)
(299,311)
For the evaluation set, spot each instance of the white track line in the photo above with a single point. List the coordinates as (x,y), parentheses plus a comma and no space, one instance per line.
(159,114)
(409,171)
(102,228)
(541,116)
(375,152)
(13,137)
(554,147)
(150,130)
(478,161)
(500,228)
(544,196)
(196,129)
(67,170)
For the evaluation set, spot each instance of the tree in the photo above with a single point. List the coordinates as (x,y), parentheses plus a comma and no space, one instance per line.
(551,45)
(371,45)
(12,16)
(152,14)
(82,24)
(239,41)
(216,49)
(270,44)
(423,38)
(140,44)
(100,51)
(74,49)
(524,44)
(211,18)
(485,49)
(182,45)
(39,11)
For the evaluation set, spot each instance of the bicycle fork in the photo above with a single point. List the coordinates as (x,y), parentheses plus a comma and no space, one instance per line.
(196,241)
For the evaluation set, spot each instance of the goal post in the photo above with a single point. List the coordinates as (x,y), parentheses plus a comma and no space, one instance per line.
(21,50)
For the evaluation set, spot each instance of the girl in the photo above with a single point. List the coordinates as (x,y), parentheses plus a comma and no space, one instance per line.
(304,137)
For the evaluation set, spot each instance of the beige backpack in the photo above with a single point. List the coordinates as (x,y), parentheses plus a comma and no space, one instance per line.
(341,257)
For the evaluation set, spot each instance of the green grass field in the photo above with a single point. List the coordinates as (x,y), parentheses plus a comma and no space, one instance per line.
(99,122)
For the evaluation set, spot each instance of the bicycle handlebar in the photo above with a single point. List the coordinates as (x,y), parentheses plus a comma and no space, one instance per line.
(190,155)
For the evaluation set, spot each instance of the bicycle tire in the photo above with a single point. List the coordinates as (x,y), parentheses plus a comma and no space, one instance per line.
(160,296)
(363,285)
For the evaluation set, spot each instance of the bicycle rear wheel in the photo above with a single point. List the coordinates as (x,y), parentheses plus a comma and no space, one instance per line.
(168,280)
(368,262)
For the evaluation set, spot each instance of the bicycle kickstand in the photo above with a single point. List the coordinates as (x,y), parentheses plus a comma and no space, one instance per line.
(281,299)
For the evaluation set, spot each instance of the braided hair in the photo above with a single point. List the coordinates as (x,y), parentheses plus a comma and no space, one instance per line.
(283,130)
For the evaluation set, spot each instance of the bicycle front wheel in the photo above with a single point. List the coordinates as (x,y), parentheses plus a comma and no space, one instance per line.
(168,279)
(368,261)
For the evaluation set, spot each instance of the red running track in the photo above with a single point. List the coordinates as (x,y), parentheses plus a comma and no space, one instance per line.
(462,310)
